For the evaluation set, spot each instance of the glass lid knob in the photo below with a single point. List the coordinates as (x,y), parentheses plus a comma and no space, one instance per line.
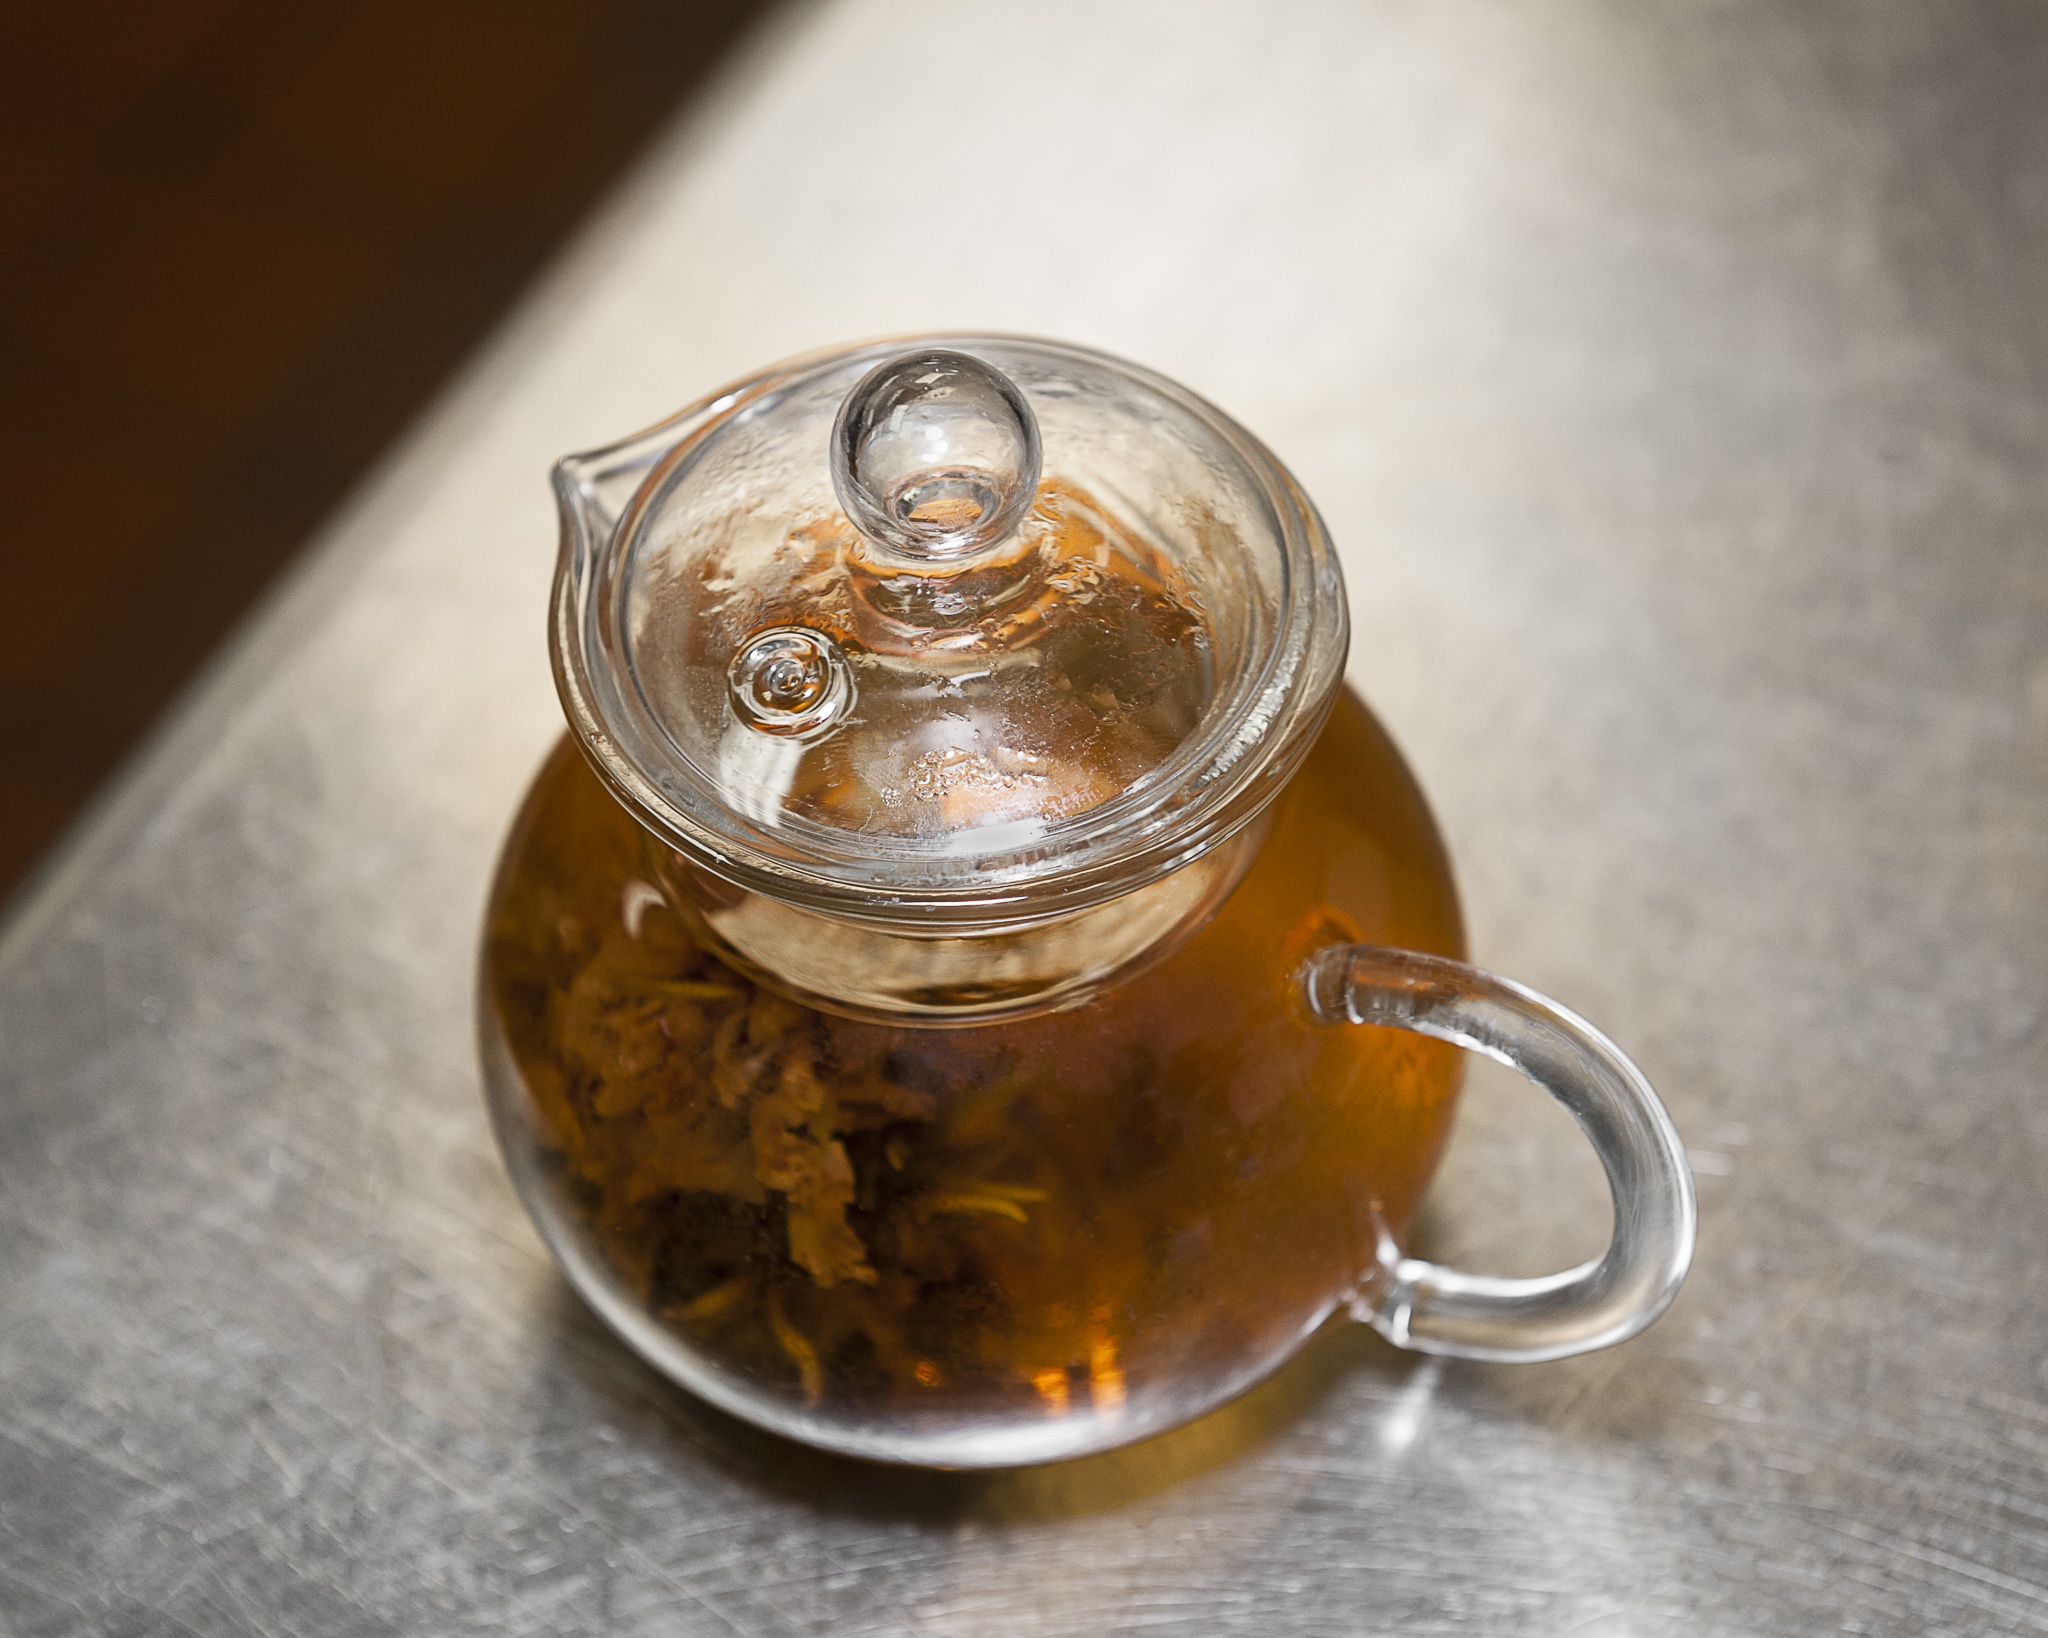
(935,455)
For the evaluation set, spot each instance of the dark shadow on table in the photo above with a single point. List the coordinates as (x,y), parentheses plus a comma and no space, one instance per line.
(242,245)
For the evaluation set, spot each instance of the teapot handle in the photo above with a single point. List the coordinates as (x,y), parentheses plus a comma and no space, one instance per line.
(1435,1310)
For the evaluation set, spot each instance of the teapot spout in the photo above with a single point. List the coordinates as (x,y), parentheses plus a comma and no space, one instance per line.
(593,489)
(588,502)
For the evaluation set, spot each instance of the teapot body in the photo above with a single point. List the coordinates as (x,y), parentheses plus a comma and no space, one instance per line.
(976,1244)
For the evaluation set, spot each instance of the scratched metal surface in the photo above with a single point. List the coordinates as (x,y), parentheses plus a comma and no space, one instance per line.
(1677,381)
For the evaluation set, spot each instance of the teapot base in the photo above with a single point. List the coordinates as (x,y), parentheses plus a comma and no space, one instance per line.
(977,1247)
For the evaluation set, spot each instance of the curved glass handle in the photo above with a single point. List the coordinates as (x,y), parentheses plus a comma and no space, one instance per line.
(1414,1304)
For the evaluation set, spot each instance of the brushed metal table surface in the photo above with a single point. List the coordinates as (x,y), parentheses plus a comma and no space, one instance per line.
(1676,380)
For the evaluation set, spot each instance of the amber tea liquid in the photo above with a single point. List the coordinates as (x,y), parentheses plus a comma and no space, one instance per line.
(1114,1212)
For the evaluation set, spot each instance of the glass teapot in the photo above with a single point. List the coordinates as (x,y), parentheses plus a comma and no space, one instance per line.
(973,988)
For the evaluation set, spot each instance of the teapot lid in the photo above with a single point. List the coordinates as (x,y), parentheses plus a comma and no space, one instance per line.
(944,631)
